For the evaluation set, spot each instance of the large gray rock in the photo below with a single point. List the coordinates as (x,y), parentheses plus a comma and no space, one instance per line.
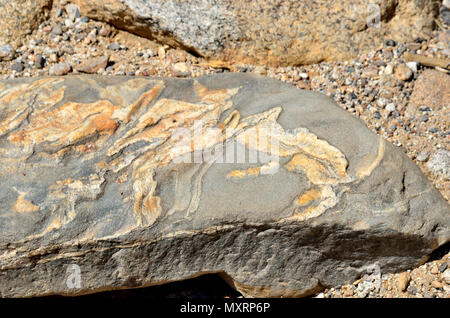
(280,32)
(100,190)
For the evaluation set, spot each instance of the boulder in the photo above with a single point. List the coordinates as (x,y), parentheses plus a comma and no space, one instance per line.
(282,32)
(19,18)
(124,182)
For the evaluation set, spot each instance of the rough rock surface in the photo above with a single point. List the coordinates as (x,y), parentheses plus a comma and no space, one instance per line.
(432,90)
(440,163)
(19,18)
(96,174)
(282,32)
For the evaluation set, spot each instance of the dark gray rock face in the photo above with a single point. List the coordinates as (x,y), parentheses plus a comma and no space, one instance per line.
(118,182)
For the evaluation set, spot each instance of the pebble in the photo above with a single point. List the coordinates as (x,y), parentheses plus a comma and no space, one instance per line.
(403,72)
(73,11)
(412,66)
(6,52)
(161,53)
(400,50)
(446,3)
(114,46)
(347,292)
(260,70)
(18,67)
(445,14)
(53,58)
(422,156)
(424,118)
(424,109)
(93,65)
(68,23)
(442,267)
(181,67)
(91,37)
(403,281)
(437,284)
(57,29)
(60,69)
(390,107)
(434,270)
(390,43)
(105,32)
(389,69)
(39,61)
(412,290)
(446,276)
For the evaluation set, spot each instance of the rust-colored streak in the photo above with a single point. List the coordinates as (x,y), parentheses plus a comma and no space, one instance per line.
(22,205)
(67,124)
(244,173)
(314,169)
(309,196)
(104,124)
(17,102)
(145,99)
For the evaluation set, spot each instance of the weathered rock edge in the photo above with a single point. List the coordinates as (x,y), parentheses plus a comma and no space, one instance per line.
(298,233)
(276,33)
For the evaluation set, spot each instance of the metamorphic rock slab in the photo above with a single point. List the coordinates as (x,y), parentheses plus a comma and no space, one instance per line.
(124,182)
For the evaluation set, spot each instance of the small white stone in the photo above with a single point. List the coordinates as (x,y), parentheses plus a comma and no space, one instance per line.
(389,69)
(73,11)
(161,52)
(390,107)
(381,102)
(412,66)
(446,3)
(446,275)
(68,23)
(304,75)
(181,67)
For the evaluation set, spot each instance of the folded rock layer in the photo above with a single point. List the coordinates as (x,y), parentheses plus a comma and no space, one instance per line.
(124,182)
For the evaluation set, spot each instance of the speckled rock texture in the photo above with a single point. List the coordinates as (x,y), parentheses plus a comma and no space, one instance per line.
(432,90)
(18,18)
(281,32)
(113,179)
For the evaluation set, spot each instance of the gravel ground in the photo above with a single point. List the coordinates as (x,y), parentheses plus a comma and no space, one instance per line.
(376,87)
